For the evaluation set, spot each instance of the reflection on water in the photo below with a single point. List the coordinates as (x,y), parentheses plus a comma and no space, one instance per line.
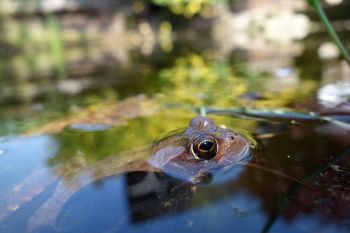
(14,169)
(297,181)
(96,85)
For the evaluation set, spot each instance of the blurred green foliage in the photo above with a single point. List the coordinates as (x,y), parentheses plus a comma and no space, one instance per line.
(187,8)
(197,81)
(194,81)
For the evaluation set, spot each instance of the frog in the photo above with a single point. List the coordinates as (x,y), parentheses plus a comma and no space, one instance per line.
(190,155)
(200,156)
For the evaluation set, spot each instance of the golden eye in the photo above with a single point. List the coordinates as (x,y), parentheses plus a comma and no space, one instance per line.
(204,148)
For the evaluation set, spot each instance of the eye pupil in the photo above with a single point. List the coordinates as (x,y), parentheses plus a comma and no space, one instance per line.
(206,145)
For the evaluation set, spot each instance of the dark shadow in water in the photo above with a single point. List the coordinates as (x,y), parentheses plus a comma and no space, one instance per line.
(284,200)
(123,201)
(152,195)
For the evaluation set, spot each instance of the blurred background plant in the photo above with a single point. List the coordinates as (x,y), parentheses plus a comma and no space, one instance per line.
(188,8)
(199,82)
(93,78)
(59,57)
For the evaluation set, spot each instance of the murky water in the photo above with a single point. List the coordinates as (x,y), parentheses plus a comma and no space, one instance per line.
(297,180)
(70,107)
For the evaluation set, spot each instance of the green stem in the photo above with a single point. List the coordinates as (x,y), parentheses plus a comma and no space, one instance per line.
(318,8)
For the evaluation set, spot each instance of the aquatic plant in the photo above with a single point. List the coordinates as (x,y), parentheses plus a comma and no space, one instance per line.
(319,10)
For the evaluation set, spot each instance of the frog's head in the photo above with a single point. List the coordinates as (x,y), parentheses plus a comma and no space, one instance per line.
(203,148)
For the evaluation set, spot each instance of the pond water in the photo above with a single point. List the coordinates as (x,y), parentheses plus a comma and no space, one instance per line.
(67,122)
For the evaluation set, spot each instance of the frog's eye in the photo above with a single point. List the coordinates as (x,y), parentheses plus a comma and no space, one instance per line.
(204,148)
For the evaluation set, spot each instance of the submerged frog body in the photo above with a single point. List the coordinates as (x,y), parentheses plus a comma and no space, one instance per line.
(201,149)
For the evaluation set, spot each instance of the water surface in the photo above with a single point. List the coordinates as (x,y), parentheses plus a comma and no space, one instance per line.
(88,97)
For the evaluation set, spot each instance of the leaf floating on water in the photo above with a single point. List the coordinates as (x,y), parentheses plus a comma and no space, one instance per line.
(89,127)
